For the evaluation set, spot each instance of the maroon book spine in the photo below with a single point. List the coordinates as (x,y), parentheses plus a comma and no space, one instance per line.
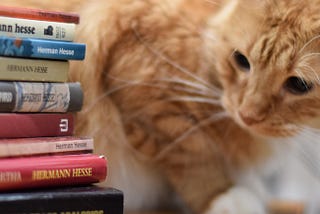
(38,14)
(15,125)
(51,171)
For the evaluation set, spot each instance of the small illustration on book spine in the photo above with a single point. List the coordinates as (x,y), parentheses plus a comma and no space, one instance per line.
(42,97)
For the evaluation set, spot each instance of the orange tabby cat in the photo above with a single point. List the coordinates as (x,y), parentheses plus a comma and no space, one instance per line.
(186,96)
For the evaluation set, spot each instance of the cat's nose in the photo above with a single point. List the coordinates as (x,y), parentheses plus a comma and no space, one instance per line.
(251,118)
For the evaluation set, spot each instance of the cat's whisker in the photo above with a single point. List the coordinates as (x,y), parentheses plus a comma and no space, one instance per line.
(196,100)
(287,130)
(300,74)
(213,118)
(171,62)
(308,160)
(127,84)
(212,2)
(306,144)
(309,42)
(176,80)
(192,84)
(307,66)
(119,88)
(185,82)
(311,133)
(202,90)
(102,96)
(192,91)
(209,35)
(119,79)
(309,55)
(142,110)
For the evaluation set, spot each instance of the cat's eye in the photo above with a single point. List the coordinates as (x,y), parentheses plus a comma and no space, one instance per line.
(241,61)
(297,86)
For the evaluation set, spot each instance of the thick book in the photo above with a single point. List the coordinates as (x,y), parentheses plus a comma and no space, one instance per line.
(39,14)
(45,145)
(40,97)
(51,171)
(41,70)
(39,48)
(25,125)
(26,28)
(69,200)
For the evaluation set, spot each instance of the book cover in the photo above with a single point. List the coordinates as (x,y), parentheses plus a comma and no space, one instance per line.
(39,48)
(44,145)
(25,28)
(39,14)
(51,171)
(22,125)
(21,69)
(40,97)
(69,200)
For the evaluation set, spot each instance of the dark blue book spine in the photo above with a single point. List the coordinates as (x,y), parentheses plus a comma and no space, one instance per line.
(38,48)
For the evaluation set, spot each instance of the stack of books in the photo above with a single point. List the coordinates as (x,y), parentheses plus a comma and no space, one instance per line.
(38,149)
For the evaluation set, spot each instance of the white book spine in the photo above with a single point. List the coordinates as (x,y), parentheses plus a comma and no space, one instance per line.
(11,149)
(25,28)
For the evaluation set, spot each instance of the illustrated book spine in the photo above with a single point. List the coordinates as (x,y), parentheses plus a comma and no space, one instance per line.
(33,70)
(90,199)
(39,48)
(40,97)
(38,14)
(44,145)
(25,125)
(25,28)
(51,171)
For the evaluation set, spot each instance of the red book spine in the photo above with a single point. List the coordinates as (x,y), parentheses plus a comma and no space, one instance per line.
(36,125)
(50,171)
(38,14)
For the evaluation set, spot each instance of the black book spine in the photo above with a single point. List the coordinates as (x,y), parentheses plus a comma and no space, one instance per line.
(40,97)
(104,201)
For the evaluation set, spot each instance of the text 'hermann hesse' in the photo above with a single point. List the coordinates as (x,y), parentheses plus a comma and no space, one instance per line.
(55,51)
(17,29)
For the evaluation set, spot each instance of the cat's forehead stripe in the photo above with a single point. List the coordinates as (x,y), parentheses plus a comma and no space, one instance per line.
(282,41)
(272,50)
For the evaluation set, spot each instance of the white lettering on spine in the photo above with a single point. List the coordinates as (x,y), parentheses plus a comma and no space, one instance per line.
(54,51)
(6,97)
(64,125)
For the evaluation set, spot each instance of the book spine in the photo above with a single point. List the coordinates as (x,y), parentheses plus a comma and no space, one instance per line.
(38,14)
(99,210)
(35,125)
(43,145)
(40,97)
(25,28)
(50,171)
(33,70)
(88,199)
(36,48)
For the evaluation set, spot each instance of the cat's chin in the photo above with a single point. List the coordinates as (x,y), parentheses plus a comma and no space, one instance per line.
(266,131)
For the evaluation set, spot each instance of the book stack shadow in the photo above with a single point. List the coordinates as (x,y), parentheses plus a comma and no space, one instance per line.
(44,166)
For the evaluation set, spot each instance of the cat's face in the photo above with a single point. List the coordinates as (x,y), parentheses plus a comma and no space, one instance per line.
(268,61)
